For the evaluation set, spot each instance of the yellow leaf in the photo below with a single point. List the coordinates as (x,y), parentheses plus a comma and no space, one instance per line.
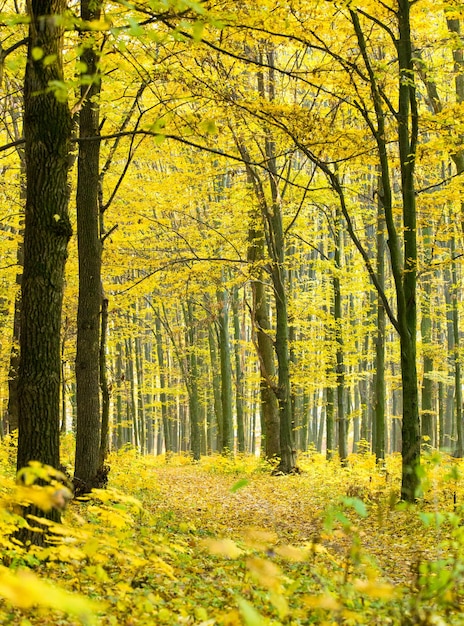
(374,588)
(279,601)
(265,572)
(258,538)
(250,615)
(223,547)
(324,601)
(291,553)
(24,589)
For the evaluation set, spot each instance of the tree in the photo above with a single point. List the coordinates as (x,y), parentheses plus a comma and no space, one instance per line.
(88,434)
(47,133)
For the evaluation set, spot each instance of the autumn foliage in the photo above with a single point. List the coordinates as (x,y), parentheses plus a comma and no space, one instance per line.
(225,542)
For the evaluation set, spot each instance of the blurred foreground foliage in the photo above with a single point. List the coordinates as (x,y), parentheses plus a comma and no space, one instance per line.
(223,541)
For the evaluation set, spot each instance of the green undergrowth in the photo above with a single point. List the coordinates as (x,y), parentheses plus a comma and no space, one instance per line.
(223,541)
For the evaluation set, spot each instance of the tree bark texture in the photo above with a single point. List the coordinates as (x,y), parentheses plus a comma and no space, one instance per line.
(227,443)
(47,133)
(88,434)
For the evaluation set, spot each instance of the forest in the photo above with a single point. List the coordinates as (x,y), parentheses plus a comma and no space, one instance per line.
(231,296)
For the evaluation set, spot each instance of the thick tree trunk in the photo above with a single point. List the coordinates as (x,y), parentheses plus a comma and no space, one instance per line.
(47,132)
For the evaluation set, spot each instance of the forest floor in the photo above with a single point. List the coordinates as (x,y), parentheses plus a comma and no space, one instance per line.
(225,542)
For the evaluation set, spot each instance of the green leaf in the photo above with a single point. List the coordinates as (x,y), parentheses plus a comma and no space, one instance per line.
(250,615)
(197,30)
(37,53)
(243,482)
(356,504)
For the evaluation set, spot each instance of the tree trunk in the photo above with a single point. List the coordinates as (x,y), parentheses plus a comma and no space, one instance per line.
(216,381)
(329,420)
(88,435)
(239,374)
(194,404)
(269,410)
(339,367)
(406,291)
(105,391)
(402,242)
(427,411)
(15,111)
(162,378)
(459,449)
(140,394)
(276,251)
(227,444)
(379,401)
(119,435)
(47,133)
(132,405)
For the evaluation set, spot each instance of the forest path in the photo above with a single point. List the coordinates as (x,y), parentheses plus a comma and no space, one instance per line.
(293,510)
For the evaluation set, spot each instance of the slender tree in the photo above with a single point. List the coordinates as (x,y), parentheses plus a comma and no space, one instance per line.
(88,437)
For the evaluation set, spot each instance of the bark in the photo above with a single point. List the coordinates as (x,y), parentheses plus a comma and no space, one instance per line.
(269,409)
(88,435)
(192,383)
(454,26)
(406,287)
(216,381)
(448,416)
(47,133)
(119,418)
(427,401)
(239,374)
(152,423)
(12,410)
(162,379)
(459,450)
(379,412)
(140,394)
(132,406)
(339,367)
(104,388)
(227,444)
(329,420)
